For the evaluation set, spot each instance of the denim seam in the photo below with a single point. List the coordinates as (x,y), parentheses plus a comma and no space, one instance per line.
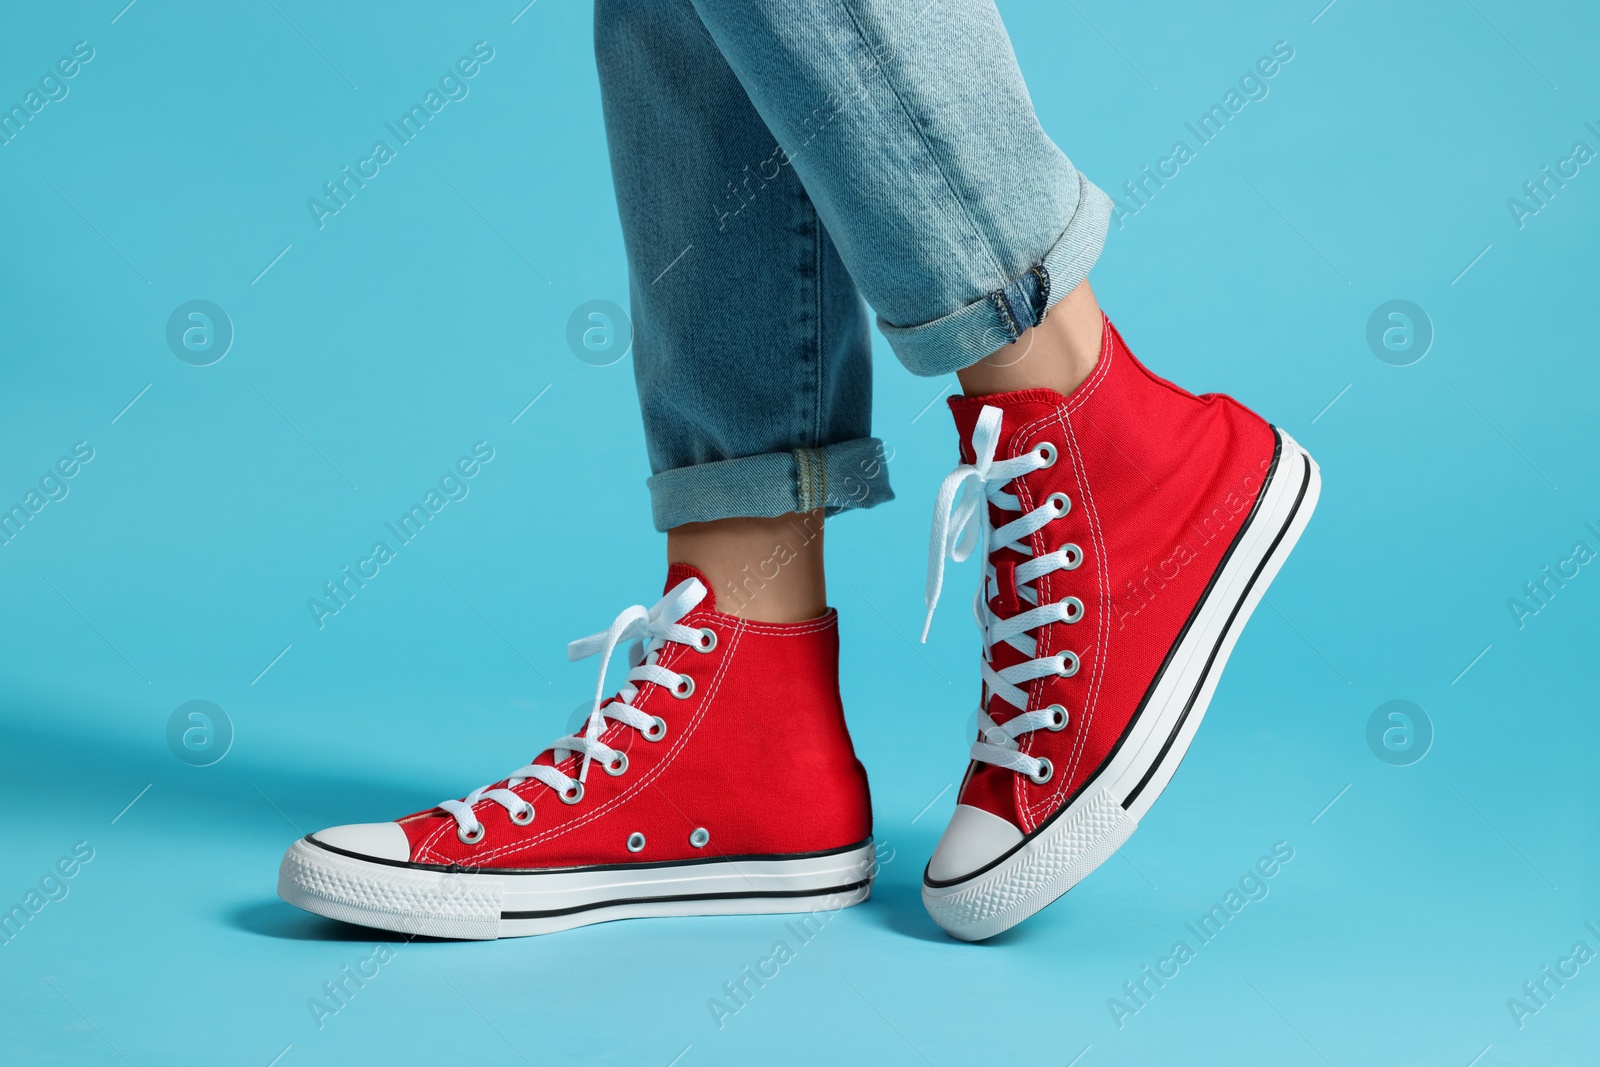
(821,319)
(1003,307)
(819,480)
(811,470)
(805,485)
(1038,305)
(691,15)
(944,345)
(944,176)
(777,483)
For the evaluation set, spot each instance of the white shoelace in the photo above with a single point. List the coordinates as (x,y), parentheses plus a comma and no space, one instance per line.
(961,523)
(650,630)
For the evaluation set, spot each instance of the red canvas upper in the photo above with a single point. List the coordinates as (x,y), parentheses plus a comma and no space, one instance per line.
(1160,482)
(758,755)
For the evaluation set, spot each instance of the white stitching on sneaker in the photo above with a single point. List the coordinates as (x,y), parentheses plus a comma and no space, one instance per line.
(964,497)
(1059,424)
(650,630)
(1102,624)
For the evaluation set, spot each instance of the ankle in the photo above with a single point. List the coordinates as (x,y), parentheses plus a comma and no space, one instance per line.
(1058,354)
(764,570)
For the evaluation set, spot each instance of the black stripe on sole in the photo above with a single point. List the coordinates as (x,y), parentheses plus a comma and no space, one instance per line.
(676,898)
(1177,728)
(454,868)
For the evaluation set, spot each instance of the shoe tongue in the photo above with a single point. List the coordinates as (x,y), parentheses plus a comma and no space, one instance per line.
(678,572)
(1018,409)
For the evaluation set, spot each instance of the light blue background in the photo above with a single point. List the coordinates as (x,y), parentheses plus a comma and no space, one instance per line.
(427,314)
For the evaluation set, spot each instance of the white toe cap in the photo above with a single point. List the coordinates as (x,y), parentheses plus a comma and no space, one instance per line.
(379,840)
(973,839)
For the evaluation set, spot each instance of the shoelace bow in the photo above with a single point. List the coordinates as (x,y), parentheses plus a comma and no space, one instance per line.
(961,522)
(650,630)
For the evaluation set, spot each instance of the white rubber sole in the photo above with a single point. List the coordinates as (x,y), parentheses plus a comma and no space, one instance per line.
(482,905)
(1076,840)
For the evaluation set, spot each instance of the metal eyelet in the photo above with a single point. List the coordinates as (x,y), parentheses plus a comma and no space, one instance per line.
(1074,608)
(1073,555)
(473,836)
(1066,664)
(656,730)
(618,765)
(1042,775)
(684,689)
(700,837)
(523,816)
(1060,503)
(1047,452)
(572,794)
(1058,718)
(708,640)
(636,842)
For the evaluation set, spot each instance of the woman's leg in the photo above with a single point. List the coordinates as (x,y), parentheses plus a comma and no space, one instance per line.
(912,132)
(751,344)
(1056,354)
(720,777)
(1128,527)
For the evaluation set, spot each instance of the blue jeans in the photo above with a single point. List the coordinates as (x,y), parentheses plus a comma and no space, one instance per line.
(781,164)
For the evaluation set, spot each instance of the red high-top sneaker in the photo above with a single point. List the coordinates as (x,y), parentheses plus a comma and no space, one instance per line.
(720,780)
(1128,531)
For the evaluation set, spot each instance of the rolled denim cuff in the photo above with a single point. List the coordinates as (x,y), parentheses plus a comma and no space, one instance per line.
(963,337)
(836,477)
